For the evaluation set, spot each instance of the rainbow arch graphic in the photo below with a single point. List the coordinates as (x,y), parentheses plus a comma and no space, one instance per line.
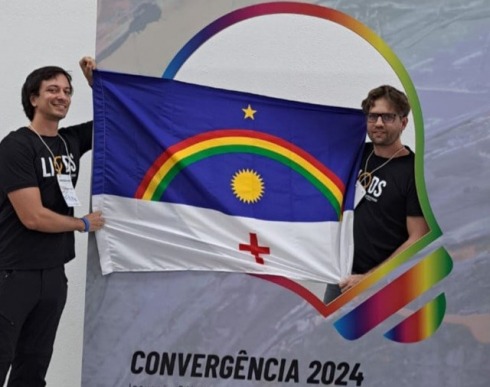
(217,142)
(432,313)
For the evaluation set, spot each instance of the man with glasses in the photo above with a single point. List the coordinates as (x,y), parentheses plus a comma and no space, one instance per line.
(388,218)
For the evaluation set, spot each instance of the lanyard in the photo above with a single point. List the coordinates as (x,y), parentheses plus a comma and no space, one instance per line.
(64,181)
(58,166)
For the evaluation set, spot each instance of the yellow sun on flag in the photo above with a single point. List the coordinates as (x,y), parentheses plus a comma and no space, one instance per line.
(247,186)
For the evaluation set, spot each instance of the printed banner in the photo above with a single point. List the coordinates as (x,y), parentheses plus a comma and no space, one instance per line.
(197,178)
(420,318)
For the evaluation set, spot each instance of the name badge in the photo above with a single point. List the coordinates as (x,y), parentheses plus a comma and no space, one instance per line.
(359,194)
(67,190)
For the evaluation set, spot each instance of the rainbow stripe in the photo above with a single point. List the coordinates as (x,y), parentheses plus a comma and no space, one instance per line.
(396,295)
(218,142)
(420,325)
(273,8)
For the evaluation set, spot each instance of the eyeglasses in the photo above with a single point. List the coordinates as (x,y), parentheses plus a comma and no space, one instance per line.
(387,118)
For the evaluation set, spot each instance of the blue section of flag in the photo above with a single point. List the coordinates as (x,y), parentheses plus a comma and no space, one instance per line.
(137,118)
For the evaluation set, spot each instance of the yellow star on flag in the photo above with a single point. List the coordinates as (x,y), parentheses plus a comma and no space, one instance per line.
(249,112)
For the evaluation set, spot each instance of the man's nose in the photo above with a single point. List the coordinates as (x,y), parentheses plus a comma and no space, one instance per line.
(379,121)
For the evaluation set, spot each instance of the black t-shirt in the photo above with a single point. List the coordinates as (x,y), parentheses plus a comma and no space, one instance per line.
(26,162)
(380,218)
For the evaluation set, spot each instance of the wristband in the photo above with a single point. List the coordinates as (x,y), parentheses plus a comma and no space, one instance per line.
(86,223)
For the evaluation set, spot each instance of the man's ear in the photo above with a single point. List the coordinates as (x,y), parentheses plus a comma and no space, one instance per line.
(404,122)
(33,100)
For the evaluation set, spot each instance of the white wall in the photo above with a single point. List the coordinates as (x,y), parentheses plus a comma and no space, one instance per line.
(35,33)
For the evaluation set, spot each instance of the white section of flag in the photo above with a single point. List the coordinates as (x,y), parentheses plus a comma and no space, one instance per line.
(141,235)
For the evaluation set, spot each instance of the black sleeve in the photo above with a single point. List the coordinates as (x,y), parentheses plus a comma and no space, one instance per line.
(83,133)
(17,168)
(413,204)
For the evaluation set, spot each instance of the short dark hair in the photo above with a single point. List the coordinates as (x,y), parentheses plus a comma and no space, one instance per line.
(33,82)
(395,97)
